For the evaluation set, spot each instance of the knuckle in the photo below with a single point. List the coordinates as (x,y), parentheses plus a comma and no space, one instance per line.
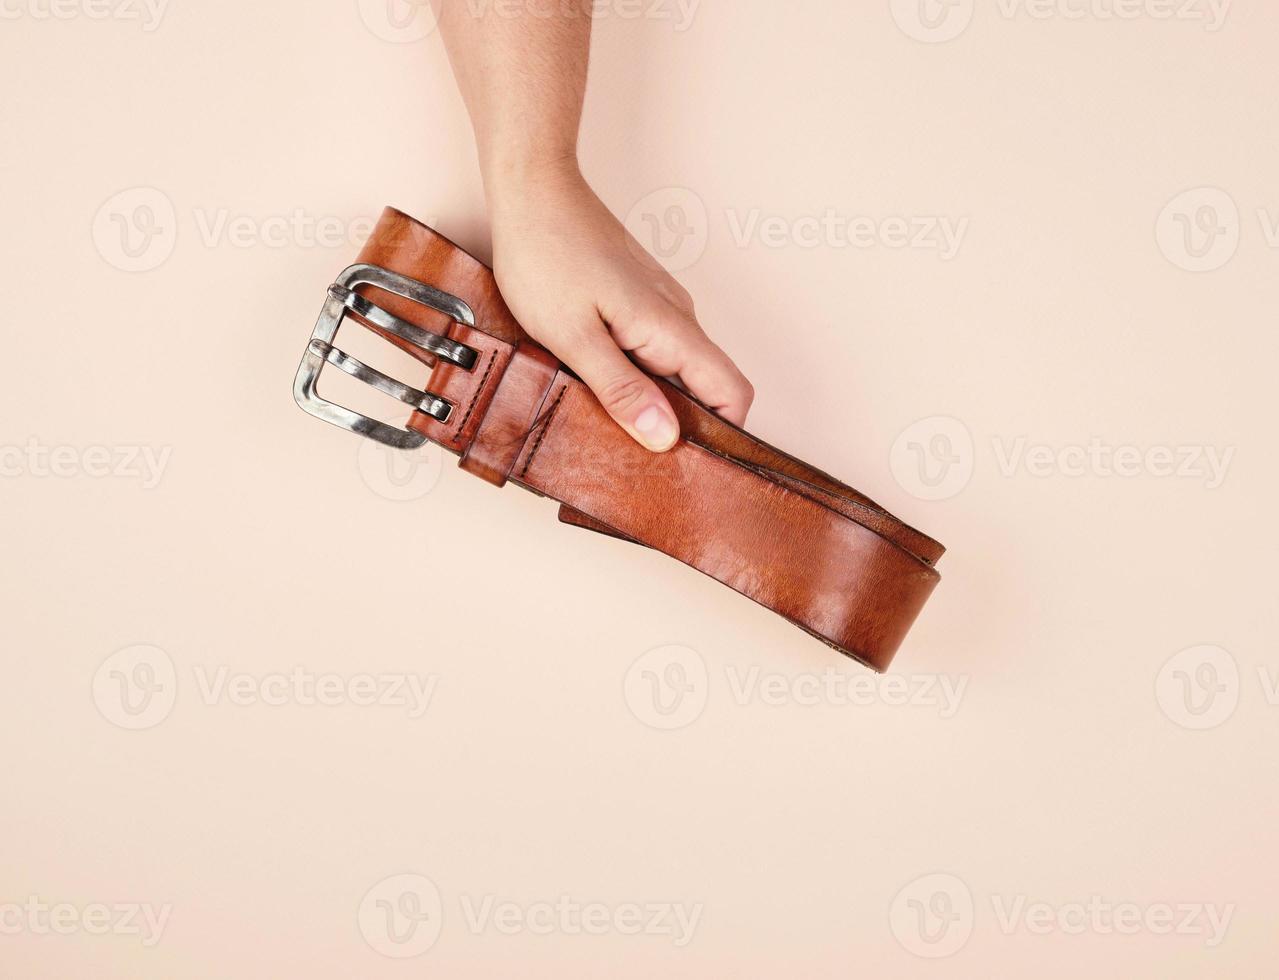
(678,324)
(677,296)
(622,393)
(576,333)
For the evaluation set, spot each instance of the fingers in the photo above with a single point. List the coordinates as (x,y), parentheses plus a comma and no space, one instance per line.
(626,392)
(713,378)
(674,344)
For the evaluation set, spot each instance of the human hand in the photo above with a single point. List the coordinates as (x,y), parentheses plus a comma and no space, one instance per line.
(588,292)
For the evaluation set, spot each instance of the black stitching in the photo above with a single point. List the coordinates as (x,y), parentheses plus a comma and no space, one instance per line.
(478,391)
(537,443)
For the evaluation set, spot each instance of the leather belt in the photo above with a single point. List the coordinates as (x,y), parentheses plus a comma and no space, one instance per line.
(771,527)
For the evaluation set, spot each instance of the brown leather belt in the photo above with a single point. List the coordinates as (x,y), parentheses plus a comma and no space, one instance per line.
(790,537)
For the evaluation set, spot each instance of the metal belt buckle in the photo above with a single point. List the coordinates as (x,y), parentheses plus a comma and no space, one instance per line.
(342,300)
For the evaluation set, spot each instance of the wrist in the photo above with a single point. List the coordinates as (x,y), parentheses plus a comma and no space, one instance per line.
(511,179)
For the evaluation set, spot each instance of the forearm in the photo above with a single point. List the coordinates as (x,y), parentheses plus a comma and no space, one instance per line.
(577,282)
(522,73)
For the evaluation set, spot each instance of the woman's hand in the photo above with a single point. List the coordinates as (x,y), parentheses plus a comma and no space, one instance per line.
(588,292)
(567,268)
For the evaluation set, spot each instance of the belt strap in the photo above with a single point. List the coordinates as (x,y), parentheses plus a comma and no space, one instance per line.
(773,528)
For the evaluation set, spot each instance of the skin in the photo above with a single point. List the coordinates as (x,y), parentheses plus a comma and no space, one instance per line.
(572,275)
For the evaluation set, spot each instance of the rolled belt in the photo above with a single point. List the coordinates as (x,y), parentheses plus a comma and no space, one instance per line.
(767,525)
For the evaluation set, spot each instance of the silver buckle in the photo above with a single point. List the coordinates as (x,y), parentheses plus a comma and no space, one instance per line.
(343,299)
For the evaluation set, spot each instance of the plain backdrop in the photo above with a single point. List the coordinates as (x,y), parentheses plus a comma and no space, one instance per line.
(187,559)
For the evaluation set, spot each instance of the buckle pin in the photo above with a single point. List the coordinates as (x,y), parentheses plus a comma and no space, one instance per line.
(442,347)
(341,300)
(423,401)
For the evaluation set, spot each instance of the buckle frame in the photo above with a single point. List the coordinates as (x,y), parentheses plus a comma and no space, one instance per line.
(342,299)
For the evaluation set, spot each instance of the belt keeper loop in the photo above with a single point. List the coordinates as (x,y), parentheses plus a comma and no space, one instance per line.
(512,413)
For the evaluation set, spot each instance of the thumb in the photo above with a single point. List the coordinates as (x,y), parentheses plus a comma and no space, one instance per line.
(626,392)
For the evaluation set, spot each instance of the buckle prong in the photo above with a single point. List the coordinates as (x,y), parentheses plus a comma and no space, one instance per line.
(442,347)
(341,300)
(423,401)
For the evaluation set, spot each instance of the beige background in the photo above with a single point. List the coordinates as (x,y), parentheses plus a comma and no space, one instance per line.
(1092,308)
